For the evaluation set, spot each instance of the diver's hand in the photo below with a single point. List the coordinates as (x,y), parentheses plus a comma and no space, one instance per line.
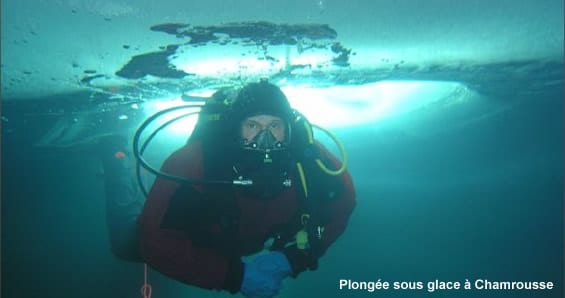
(263,276)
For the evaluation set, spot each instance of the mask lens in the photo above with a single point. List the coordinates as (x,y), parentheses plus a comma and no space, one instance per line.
(264,140)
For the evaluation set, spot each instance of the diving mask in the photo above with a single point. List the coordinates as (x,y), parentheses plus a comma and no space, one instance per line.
(264,141)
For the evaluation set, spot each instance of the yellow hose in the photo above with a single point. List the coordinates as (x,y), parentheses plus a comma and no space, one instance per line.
(337,142)
(302,178)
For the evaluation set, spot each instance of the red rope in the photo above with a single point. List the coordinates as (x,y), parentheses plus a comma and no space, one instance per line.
(146,288)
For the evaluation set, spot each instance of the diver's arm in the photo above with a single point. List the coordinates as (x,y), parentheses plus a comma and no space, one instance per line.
(339,211)
(171,252)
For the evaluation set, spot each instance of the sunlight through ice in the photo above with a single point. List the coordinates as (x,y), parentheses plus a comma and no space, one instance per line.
(343,106)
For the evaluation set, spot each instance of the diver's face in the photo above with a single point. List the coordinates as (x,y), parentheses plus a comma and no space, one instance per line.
(251,126)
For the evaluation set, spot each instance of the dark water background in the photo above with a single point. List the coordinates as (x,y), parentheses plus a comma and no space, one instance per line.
(481,201)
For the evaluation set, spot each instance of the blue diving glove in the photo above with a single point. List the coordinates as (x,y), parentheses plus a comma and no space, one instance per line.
(263,276)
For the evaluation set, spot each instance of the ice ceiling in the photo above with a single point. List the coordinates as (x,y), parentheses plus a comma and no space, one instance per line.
(342,63)
(53,47)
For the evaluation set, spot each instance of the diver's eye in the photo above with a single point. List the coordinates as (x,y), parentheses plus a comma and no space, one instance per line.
(252,125)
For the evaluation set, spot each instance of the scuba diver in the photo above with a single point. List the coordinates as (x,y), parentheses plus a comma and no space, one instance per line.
(261,199)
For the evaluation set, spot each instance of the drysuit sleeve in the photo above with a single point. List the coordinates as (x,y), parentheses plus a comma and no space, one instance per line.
(172,252)
(338,211)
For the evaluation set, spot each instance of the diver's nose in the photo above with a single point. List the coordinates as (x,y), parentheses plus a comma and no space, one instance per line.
(266,140)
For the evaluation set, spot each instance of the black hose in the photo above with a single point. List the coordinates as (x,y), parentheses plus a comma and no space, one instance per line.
(138,152)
